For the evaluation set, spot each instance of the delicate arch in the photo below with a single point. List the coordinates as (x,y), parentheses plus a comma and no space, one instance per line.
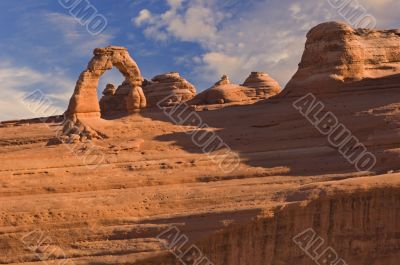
(84,101)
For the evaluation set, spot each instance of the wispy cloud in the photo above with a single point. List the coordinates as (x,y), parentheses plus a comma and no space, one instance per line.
(18,81)
(197,22)
(266,36)
(39,57)
(46,48)
(75,36)
(258,39)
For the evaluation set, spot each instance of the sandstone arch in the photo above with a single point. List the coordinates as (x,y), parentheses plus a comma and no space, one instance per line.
(85,103)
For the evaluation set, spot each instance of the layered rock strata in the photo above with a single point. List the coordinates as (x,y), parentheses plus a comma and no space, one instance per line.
(171,85)
(337,57)
(261,86)
(222,92)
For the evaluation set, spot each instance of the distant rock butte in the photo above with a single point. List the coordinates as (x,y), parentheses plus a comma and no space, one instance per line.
(162,86)
(261,86)
(223,81)
(257,86)
(222,92)
(337,56)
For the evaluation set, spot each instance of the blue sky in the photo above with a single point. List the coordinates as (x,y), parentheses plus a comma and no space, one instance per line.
(43,47)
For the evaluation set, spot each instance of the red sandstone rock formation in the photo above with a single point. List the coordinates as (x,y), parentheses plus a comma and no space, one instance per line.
(84,102)
(165,85)
(107,102)
(108,202)
(256,87)
(222,92)
(261,86)
(337,56)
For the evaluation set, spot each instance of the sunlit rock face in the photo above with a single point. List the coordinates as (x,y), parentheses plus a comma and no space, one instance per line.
(337,58)
(261,86)
(257,86)
(221,92)
(84,101)
(170,85)
(236,183)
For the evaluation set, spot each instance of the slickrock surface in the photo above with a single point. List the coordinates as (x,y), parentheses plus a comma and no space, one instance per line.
(107,201)
(112,214)
(168,84)
(222,92)
(261,86)
(338,58)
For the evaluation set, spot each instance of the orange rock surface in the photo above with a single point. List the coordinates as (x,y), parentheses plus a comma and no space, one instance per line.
(107,201)
(261,86)
(84,101)
(162,86)
(222,92)
(338,58)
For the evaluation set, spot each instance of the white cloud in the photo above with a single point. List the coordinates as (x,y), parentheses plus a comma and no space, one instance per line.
(256,40)
(386,12)
(154,33)
(12,107)
(55,87)
(143,17)
(377,3)
(75,35)
(41,50)
(18,82)
(196,23)
(295,9)
(269,36)
(175,3)
(220,63)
